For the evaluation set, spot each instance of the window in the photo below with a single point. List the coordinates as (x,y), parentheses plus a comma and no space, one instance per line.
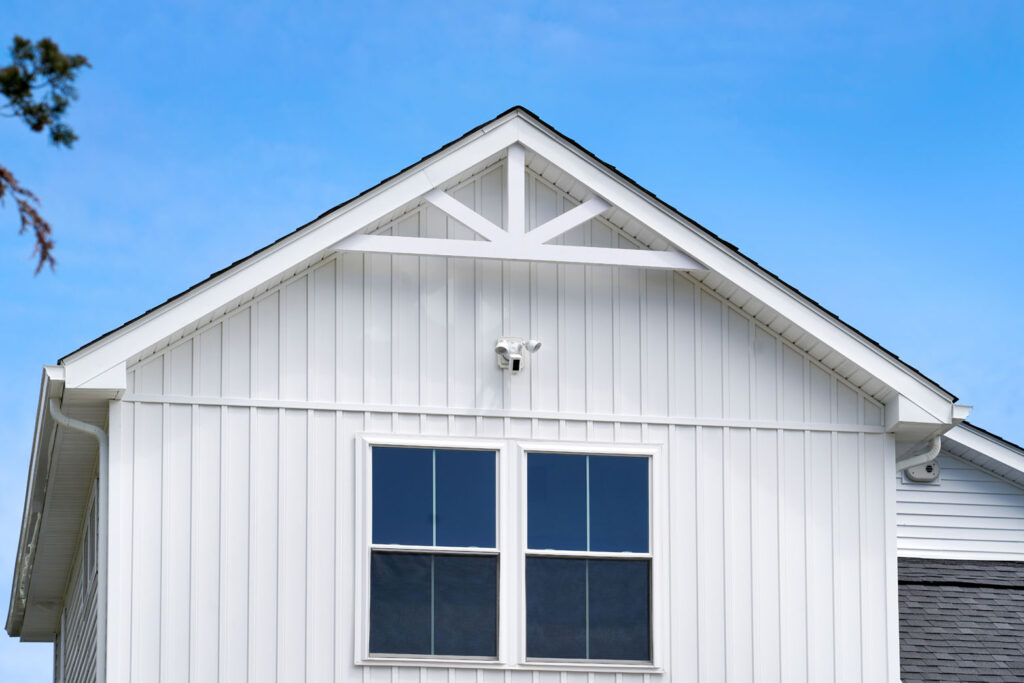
(433,574)
(530,555)
(588,564)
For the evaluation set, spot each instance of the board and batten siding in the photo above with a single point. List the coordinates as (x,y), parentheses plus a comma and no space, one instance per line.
(967,514)
(233,467)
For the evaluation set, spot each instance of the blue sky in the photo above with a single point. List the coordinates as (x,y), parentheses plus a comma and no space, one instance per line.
(871,154)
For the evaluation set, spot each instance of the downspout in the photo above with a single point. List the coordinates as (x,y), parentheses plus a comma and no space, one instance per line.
(923,458)
(101,551)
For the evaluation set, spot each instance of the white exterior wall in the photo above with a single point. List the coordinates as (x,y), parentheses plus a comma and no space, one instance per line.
(967,514)
(233,466)
(75,647)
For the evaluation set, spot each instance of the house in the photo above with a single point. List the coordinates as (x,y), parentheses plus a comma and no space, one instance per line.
(505,416)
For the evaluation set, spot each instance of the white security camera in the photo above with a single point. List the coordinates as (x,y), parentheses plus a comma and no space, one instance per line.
(512,352)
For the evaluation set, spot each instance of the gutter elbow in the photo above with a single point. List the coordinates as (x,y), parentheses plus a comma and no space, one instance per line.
(923,458)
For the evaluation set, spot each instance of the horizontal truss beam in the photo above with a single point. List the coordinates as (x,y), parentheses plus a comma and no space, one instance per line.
(519,250)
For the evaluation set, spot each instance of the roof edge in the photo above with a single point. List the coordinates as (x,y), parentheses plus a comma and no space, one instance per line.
(769,279)
(51,385)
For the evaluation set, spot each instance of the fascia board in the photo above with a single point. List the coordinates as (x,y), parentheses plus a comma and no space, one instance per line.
(999,453)
(83,366)
(50,386)
(717,258)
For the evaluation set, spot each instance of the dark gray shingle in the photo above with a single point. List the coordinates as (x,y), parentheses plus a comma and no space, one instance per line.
(961,620)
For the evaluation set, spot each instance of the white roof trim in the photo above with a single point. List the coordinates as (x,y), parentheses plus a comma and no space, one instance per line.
(988,451)
(516,126)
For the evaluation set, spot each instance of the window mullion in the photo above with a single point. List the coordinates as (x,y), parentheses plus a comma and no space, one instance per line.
(433,496)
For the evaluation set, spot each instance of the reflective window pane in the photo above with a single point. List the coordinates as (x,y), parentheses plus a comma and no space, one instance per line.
(556,618)
(433,604)
(618,504)
(619,599)
(400,587)
(403,495)
(465,498)
(465,605)
(557,501)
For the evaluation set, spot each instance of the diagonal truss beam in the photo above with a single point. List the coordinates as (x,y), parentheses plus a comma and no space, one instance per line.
(465,215)
(565,222)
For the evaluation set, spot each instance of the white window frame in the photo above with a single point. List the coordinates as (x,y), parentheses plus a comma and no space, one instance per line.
(365,546)
(511,542)
(655,554)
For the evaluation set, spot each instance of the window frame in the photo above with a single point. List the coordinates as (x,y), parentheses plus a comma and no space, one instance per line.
(655,554)
(365,546)
(511,541)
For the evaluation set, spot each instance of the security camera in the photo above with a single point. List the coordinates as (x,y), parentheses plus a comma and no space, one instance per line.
(512,352)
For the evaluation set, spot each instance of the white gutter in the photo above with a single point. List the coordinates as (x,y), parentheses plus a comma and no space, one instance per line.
(101,555)
(78,425)
(923,458)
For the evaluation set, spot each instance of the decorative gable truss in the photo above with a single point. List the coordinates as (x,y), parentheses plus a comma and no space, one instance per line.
(517,243)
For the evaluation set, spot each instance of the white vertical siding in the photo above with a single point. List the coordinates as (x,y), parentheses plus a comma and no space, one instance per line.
(763,588)
(238,443)
(968,514)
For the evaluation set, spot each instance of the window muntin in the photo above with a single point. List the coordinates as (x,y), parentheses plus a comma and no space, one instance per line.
(588,566)
(422,602)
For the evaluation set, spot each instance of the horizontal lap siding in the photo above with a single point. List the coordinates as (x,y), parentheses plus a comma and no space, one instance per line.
(77,641)
(967,513)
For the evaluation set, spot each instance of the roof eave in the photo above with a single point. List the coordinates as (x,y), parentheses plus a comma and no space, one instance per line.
(51,386)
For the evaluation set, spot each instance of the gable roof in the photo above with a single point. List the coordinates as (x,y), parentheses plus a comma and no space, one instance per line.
(86,365)
(96,372)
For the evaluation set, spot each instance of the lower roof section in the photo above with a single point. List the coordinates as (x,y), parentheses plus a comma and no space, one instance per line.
(961,620)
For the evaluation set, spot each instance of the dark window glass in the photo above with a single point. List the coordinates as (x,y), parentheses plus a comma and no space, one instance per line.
(465,498)
(618,504)
(588,609)
(619,598)
(465,610)
(403,496)
(556,617)
(400,587)
(433,604)
(557,501)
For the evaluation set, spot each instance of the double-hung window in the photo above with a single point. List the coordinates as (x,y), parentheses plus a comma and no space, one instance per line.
(440,578)
(433,553)
(588,563)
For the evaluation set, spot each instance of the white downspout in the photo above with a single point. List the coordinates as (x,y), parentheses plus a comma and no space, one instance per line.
(922,458)
(101,552)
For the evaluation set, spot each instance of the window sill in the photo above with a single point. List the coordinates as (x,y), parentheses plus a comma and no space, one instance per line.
(528,665)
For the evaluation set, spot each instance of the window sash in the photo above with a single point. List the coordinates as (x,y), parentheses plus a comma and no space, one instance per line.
(646,557)
(491,452)
(437,550)
(582,452)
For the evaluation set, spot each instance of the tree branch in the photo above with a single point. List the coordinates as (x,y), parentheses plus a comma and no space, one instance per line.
(30,217)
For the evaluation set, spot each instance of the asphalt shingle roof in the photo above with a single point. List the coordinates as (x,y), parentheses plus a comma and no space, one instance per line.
(961,620)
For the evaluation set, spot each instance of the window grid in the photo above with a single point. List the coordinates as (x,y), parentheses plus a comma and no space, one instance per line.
(434,550)
(588,554)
